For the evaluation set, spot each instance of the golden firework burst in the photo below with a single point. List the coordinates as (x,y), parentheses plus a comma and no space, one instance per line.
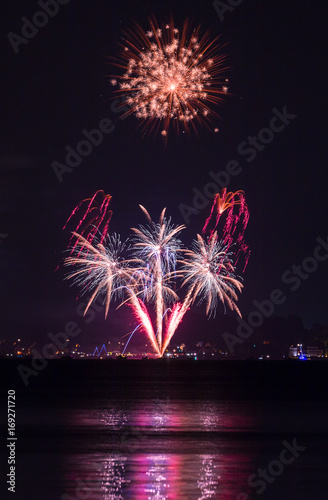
(171,77)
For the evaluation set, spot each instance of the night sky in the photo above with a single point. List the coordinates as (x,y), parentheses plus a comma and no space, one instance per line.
(57,84)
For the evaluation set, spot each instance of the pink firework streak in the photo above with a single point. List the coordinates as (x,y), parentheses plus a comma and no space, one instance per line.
(155,260)
(175,319)
(95,216)
(141,314)
(235,210)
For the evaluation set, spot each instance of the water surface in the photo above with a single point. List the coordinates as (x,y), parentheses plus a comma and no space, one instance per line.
(137,430)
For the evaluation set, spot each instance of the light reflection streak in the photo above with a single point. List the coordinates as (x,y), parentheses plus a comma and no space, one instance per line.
(157,486)
(208,481)
(114,477)
(162,450)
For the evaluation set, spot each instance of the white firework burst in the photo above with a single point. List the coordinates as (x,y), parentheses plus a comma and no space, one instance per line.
(100,268)
(209,274)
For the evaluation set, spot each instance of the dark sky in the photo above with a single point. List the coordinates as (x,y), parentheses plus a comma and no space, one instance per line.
(57,85)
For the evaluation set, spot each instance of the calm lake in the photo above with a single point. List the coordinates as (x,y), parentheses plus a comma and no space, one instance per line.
(153,429)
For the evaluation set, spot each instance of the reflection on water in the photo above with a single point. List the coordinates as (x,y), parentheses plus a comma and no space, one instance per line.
(157,481)
(110,432)
(114,477)
(159,449)
(154,476)
(166,415)
(147,449)
(209,478)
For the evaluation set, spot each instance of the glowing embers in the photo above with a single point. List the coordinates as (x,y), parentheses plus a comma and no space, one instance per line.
(236,219)
(92,216)
(146,271)
(171,77)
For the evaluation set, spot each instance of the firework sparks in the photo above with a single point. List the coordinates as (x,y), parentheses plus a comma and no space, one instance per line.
(101,269)
(237,215)
(157,246)
(93,216)
(149,277)
(209,274)
(141,314)
(171,76)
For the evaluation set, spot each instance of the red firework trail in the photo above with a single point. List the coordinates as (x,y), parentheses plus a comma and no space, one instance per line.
(236,214)
(94,217)
(147,279)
